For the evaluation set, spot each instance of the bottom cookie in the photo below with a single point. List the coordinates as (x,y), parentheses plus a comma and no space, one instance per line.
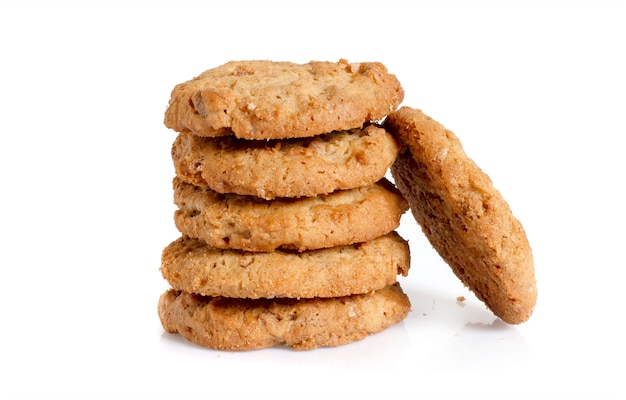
(244,324)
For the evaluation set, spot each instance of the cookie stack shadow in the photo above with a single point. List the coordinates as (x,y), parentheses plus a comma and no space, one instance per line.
(287,221)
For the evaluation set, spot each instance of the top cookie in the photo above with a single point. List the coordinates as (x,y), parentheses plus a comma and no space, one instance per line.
(465,218)
(279,100)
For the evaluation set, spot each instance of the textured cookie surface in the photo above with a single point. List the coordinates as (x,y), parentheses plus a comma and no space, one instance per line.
(274,100)
(285,168)
(192,266)
(230,221)
(244,324)
(465,218)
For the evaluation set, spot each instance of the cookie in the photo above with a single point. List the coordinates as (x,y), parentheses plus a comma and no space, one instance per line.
(277,100)
(285,168)
(192,266)
(231,221)
(243,324)
(465,218)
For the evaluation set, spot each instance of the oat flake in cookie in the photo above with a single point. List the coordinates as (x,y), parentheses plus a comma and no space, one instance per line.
(465,218)
(278,100)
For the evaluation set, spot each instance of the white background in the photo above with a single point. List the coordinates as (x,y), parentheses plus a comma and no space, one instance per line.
(534,90)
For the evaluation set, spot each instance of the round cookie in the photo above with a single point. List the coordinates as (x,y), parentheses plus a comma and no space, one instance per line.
(262,99)
(230,221)
(285,168)
(192,266)
(243,324)
(465,218)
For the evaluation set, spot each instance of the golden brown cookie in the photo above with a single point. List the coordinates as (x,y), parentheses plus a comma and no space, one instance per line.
(276,100)
(465,218)
(192,266)
(287,167)
(243,324)
(230,221)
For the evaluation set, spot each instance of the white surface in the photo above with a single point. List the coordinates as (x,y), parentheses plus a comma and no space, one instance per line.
(534,90)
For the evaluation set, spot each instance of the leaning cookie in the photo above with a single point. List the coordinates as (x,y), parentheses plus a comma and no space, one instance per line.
(465,218)
(243,324)
(192,266)
(285,168)
(276,100)
(230,221)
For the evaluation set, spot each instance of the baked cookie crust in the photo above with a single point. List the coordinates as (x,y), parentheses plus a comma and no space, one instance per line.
(285,168)
(465,218)
(243,324)
(262,99)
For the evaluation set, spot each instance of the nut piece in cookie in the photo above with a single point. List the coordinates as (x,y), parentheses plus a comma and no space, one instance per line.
(277,100)
(464,217)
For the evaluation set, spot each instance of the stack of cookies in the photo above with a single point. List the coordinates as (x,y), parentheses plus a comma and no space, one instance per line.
(287,220)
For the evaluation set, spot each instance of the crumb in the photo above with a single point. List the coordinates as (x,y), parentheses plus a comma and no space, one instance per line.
(460,299)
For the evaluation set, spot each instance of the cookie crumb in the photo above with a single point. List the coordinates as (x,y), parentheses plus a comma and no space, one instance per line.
(460,299)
